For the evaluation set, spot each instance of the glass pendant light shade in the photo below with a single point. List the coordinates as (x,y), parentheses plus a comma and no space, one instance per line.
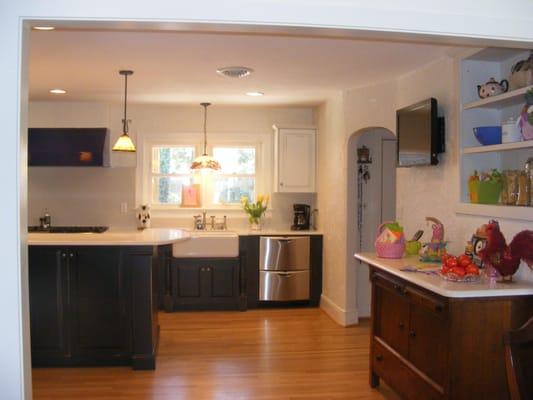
(205,162)
(124,142)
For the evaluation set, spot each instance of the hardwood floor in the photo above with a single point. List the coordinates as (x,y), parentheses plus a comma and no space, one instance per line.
(260,354)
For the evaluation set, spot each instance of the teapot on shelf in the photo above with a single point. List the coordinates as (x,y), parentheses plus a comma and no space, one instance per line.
(492,88)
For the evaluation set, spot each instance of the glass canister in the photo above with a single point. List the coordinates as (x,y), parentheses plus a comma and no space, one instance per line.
(528,170)
(510,187)
(511,131)
(522,198)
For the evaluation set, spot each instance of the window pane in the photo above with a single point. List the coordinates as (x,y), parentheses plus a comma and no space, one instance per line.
(172,160)
(167,189)
(230,190)
(236,160)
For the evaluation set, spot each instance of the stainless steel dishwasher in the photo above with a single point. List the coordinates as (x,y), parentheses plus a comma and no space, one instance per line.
(284,268)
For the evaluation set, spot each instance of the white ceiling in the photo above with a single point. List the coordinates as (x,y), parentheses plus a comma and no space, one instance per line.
(179,67)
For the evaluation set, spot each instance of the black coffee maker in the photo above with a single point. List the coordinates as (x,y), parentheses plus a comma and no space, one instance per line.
(302,214)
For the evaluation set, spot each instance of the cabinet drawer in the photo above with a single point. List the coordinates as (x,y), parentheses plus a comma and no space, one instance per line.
(388,282)
(403,378)
(430,301)
(284,253)
(283,286)
(438,305)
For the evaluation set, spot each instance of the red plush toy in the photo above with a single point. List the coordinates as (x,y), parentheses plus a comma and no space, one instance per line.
(506,259)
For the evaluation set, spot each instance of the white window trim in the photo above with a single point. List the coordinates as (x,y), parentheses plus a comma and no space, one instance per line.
(264,166)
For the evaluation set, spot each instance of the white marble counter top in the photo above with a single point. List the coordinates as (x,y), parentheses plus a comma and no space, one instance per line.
(274,232)
(147,237)
(485,288)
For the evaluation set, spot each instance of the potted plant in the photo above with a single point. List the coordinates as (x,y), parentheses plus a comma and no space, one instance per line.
(255,210)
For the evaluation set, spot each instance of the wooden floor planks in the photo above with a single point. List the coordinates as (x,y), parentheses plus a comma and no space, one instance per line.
(260,354)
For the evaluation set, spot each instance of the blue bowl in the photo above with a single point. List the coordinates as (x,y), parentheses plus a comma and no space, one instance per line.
(488,135)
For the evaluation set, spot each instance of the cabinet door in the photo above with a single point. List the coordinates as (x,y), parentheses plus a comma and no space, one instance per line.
(296,160)
(224,278)
(186,279)
(98,299)
(48,286)
(205,284)
(391,320)
(428,342)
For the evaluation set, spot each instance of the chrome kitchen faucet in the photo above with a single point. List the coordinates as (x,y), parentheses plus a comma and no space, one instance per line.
(216,224)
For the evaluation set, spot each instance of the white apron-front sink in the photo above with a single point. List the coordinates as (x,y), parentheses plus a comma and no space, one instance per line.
(205,244)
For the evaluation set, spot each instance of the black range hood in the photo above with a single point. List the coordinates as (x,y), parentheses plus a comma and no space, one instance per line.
(68,147)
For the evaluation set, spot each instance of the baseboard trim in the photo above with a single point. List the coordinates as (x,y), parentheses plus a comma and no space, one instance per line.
(338,314)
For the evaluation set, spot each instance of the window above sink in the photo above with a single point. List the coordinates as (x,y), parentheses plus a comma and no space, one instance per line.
(246,171)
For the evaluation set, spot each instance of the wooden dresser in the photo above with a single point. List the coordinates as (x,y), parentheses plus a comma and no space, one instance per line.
(433,339)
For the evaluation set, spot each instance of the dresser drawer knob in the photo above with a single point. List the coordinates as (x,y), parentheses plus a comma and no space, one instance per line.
(412,334)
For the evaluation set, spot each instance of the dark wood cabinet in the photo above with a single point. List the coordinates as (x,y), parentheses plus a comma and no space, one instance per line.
(99,319)
(392,314)
(49,304)
(93,305)
(205,284)
(426,346)
(221,284)
(164,281)
(428,342)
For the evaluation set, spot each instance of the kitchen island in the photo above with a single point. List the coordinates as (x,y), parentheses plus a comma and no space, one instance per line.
(434,339)
(94,297)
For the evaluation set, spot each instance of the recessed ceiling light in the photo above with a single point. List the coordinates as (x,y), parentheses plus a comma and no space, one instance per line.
(235,72)
(44,28)
(255,94)
(58,91)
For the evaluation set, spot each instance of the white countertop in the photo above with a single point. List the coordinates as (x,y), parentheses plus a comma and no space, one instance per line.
(147,237)
(274,232)
(485,288)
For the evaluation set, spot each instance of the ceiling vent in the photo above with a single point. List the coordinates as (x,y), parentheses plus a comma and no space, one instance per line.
(235,72)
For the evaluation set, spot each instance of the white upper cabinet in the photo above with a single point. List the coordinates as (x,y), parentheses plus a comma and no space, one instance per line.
(294,160)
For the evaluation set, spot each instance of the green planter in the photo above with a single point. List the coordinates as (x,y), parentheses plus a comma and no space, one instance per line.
(485,192)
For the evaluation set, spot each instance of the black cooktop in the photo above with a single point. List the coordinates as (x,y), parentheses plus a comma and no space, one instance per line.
(69,229)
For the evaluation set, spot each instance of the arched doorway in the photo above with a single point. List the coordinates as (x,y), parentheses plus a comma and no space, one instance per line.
(371,200)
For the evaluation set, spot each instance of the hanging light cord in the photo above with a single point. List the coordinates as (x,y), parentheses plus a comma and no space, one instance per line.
(125,120)
(205,105)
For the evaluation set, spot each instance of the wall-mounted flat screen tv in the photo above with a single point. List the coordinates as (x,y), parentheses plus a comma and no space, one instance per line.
(420,134)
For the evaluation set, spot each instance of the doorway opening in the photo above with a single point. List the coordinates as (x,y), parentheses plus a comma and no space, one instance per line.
(371,201)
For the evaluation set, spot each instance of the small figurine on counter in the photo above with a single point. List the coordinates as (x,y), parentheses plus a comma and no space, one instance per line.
(143,217)
(434,250)
(438,230)
(506,258)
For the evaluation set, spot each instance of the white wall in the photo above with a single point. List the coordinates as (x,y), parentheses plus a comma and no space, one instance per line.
(496,20)
(434,191)
(338,119)
(421,191)
(93,195)
(331,202)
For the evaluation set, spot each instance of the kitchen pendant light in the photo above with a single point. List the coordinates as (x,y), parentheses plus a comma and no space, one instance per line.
(124,142)
(205,162)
